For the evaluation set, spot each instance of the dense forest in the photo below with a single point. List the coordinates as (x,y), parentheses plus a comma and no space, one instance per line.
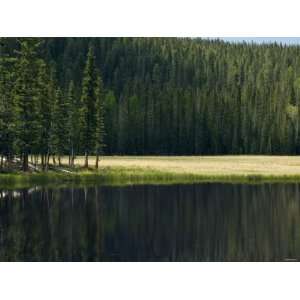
(94,96)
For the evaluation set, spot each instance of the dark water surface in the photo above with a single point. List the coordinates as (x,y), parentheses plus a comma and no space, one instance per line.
(204,222)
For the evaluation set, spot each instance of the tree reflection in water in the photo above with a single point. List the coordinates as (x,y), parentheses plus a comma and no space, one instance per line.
(204,222)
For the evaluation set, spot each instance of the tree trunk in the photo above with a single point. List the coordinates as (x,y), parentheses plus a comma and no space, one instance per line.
(43,161)
(54,161)
(73,160)
(86,163)
(1,163)
(47,160)
(97,161)
(25,162)
(59,161)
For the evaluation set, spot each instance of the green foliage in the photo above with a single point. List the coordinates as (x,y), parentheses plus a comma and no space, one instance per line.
(72,125)
(154,96)
(6,103)
(99,111)
(59,134)
(90,93)
(44,108)
(26,99)
(110,115)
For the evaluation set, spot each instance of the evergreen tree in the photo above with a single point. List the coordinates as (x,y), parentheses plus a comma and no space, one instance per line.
(72,126)
(7,109)
(59,134)
(88,106)
(45,99)
(99,138)
(26,99)
(110,122)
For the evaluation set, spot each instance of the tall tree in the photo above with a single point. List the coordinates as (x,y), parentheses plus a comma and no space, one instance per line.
(72,126)
(7,110)
(99,134)
(45,98)
(88,106)
(59,134)
(110,107)
(26,99)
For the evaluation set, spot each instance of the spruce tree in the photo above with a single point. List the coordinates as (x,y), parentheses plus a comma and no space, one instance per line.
(99,138)
(44,116)
(7,108)
(3,100)
(59,134)
(110,122)
(26,99)
(72,125)
(88,106)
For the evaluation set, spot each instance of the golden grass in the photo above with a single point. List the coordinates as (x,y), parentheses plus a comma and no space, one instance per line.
(128,170)
(241,165)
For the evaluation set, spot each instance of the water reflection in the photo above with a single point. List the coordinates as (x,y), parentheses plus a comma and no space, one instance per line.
(205,222)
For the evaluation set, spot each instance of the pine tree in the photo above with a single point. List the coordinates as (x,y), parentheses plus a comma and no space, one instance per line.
(72,126)
(88,106)
(58,131)
(45,99)
(3,100)
(26,99)
(99,144)
(110,122)
(6,107)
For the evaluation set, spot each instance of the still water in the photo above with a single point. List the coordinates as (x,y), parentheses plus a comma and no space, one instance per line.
(203,222)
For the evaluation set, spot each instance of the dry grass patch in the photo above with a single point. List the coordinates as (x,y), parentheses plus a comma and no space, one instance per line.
(127,170)
(205,165)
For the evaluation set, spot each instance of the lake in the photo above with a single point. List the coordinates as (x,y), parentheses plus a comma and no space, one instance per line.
(201,222)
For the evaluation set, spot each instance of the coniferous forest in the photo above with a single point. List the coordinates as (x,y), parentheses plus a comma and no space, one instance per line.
(160,96)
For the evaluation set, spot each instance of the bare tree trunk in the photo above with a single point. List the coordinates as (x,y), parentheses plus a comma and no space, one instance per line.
(1,163)
(25,162)
(43,161)
(59,161)
(86,163)
(73,160)
(54,161)
(47,160)
(97,161)
(36,157)
(9,160)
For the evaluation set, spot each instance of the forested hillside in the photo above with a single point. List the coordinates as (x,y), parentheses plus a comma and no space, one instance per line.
(147,96)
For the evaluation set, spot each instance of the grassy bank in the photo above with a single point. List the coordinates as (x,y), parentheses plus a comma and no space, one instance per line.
(167,170)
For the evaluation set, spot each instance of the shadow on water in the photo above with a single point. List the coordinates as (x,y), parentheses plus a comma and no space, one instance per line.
(203,222)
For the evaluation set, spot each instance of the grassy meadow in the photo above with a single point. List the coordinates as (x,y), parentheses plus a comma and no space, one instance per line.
(243,165)
(126,170)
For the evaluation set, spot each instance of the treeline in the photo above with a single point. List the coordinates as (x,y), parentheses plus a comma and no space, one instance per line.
(191,96)
(153,96)
(38,117)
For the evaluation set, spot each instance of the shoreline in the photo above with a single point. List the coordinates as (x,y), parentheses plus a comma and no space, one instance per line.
(132,170)
(134,176)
